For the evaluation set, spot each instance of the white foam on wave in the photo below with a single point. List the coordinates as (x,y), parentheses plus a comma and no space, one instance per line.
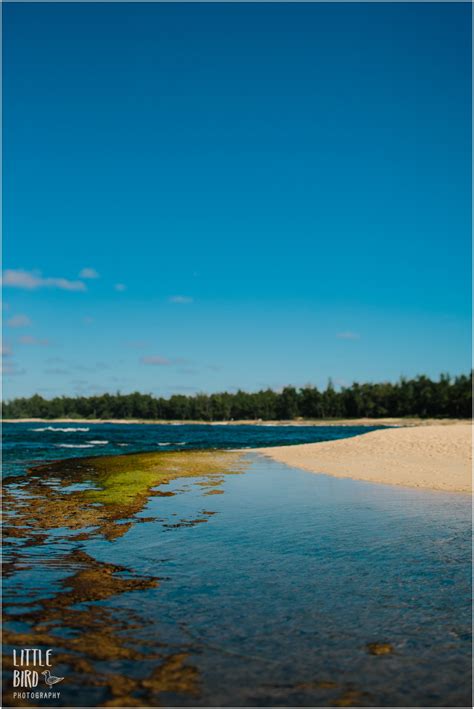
(73,445)
(173,443)
(61,430)
(123,444)
(99,443)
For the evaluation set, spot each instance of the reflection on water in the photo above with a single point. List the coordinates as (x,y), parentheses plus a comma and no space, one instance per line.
(287,589)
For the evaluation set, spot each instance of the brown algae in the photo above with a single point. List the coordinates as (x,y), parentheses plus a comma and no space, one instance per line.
(82,499)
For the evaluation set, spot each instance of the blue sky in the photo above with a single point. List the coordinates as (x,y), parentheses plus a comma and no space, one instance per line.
(211,196)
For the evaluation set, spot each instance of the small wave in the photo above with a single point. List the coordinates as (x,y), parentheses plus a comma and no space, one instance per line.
(173,443)
(123,444)
(99,443)
(73,445)
(62,430)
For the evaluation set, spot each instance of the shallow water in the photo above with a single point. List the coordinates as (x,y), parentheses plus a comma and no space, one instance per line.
(269,593)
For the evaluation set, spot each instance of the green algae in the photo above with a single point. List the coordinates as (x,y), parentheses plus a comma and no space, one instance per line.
(107,492)
(121,479)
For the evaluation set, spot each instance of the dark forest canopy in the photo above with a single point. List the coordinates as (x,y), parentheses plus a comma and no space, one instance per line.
(449,397)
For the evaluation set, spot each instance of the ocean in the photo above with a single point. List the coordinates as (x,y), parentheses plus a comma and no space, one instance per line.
(27,443)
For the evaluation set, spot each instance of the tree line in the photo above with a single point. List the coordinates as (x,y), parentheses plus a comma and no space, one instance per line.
(449,397)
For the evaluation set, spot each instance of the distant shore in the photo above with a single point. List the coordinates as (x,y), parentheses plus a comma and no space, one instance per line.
(434,457)
(409,421)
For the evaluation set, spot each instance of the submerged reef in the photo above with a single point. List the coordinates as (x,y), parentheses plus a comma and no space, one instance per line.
(102,645)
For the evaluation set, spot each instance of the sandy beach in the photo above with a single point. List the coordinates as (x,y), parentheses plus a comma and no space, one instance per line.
(436,457)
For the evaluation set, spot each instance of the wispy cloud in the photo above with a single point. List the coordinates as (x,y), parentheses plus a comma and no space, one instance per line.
(156,361)
(214,367)
(88,273)
(180,299)
(84,387)
(98,366)
(32,280)
(118,380)
(120,287)
(348,335)
(19,321)
(30,340)
(182,360)
(10,368)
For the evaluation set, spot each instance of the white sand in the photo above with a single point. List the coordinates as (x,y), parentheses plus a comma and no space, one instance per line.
(436,457)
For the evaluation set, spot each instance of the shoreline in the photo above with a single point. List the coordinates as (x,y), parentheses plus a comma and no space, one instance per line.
(396,422)
(433,457)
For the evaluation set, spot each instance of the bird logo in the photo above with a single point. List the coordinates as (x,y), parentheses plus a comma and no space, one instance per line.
(51,679)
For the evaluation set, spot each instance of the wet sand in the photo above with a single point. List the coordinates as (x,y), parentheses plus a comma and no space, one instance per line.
(436,457)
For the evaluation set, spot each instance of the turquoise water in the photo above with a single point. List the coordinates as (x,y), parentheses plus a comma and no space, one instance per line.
(268,594)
